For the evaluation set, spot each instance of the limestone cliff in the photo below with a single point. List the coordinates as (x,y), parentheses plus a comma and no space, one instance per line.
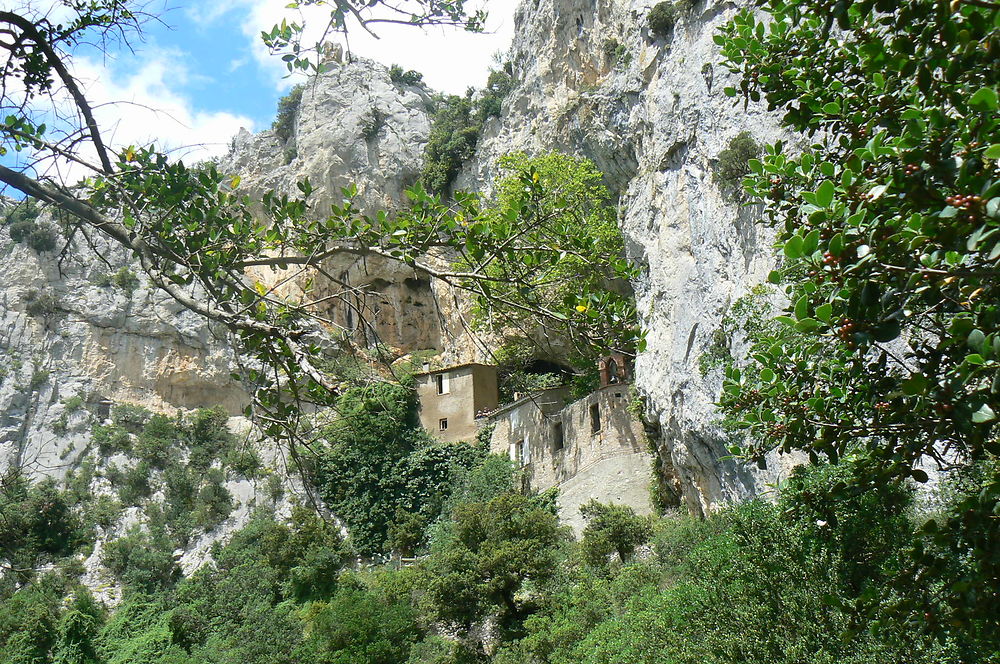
(590,79)
(650,112)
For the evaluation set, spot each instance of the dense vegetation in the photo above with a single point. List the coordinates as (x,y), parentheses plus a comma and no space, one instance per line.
(888,357)
(808,580)
(455,130)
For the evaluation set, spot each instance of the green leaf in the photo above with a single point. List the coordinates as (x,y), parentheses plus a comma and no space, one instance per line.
(919,475)
(774,277)
(915,384)
(984,99)
(974,358)
(886,331)
(802,307)
(992,152)
(833,108)
(767,375)
(793,248)
(824,194)
(824,312)
(808,325)
(976,339)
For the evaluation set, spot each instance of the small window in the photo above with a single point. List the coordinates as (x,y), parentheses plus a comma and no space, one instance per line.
(558,441)
(442,383)
(521,452)
(443,424)
(595,418)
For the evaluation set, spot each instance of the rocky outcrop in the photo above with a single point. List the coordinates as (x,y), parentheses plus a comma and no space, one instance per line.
(650,112)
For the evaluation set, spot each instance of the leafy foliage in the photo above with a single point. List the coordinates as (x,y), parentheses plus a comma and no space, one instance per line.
(408,77)
(455,130)
(288,109)
(733,164)
(888,353)
(379,468)
(576,272)
(662,17)
(612,529)
(452,141)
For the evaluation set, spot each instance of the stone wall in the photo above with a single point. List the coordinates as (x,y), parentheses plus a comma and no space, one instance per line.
(600,454)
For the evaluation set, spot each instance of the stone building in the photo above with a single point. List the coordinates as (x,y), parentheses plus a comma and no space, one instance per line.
(590,448)
(451,398)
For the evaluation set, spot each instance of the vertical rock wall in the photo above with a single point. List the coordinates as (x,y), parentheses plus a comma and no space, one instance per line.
(650,112)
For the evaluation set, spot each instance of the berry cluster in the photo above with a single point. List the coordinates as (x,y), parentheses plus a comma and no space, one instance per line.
(829,258)
(912,169)
(846,329)
(882,405)
(966,201)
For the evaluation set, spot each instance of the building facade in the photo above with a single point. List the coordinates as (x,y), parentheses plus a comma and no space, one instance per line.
(592,448)
(451,398)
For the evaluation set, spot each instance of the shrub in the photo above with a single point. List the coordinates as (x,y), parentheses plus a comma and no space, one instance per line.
(20,230)
(141,561)
(157,444)
(498,87)
(130,417)
(243,462)
(41,304)
(125,279)
(111,439)
(732,165)
(615,53)
(662,18)
(215,503)
(208,436)
(372,124)
(452,141)
(38,378)
(288,109)
(409,77)
(612,529)
(42,239)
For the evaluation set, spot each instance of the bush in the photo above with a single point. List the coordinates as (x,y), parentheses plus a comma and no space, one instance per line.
(615,53)
(141,561)
(41,304)
(612,529)
(455,131)
(125,279)
(20,230)
(452,141)
(157,444)
(732,165)
(130,417)
(288,109)
(42,239)
(372,124)
(662,18)
(409,77)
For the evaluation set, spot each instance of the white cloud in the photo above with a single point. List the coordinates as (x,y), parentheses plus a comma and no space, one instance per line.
(141,106)
(450,59)
(144,106)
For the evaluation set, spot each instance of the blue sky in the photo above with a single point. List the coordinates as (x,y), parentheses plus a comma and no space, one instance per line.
(204,69)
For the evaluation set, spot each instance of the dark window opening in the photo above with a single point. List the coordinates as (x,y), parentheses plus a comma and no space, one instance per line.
(442,383)
(595,418)
(443,424)
(558,441)
(613,375)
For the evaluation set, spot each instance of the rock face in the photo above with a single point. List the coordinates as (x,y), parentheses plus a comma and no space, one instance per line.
(650,112)
(590,79)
